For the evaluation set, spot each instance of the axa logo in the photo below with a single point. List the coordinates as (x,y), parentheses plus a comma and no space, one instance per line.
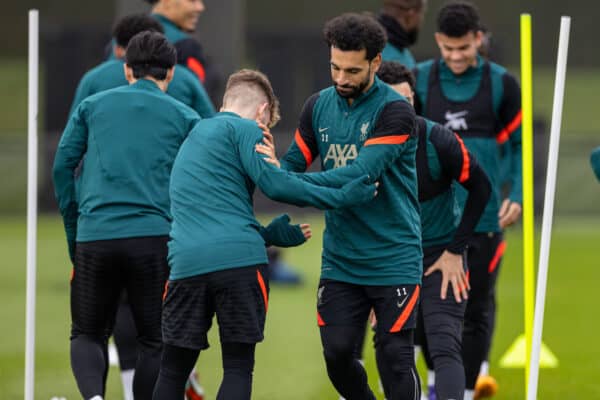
(340,154)
(456,121)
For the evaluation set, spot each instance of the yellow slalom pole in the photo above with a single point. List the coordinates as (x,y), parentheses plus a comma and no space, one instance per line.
(528,205)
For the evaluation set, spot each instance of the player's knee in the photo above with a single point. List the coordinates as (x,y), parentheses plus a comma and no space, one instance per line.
(238,356)
(397,351)
(338,347)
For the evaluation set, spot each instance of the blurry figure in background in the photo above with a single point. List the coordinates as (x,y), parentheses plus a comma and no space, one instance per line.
(184,87)
(179,19)
(402,21)
(118,221)
(442,161)
(481,102)
(595,161)
(280,271)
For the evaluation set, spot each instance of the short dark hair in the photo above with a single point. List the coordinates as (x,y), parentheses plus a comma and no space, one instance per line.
(258,80)
(393,73)
(458,18)
(355,32)
(130,25)
(150,54)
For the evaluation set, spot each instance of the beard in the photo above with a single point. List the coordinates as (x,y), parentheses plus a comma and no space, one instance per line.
(353,91)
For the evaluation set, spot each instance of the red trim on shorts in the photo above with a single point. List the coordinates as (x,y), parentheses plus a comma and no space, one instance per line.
(166,290)
(397,327)
(303,148)
(395,139)
(505,133)
(320,320)
(197,68)
(263,289)
(496,260)
(464,173)
(72,274)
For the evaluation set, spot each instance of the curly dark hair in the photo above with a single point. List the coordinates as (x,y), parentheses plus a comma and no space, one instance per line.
(150,54)
(393,73)
(458,18)
(130,25)
(355,32)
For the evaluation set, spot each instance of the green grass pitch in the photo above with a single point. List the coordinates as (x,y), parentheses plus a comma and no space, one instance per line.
(289,363)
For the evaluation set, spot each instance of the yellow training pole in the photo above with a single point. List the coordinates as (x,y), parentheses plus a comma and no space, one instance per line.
(528,206)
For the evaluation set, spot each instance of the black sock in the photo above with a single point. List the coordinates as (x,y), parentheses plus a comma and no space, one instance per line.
(176,365)
(238,366)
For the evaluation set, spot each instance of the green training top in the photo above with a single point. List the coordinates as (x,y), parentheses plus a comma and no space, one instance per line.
(185,87)
(129,136)
(212,183)
(483,106)
(378,243)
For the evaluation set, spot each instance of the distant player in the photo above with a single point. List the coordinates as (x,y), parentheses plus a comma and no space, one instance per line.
(185,86)
(117,224)
(442,161)
(217,250)
(372,254)
(402,20)
(481,102)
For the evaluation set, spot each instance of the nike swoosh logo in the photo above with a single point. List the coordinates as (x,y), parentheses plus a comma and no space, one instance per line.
(450,116)
(321,130)
(400,304)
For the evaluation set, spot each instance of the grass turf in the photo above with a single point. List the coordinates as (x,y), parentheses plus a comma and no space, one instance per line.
(289,363)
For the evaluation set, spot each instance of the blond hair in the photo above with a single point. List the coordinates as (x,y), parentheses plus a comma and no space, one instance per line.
(252,87)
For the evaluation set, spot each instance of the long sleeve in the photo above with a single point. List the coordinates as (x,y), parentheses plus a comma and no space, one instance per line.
(395,126)
(458,164)
(284,186)
(71,148)
(510,117)
(202,103)
(83,91)
(303,150)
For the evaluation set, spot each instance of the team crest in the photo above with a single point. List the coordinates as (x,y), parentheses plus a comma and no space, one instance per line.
(364,130)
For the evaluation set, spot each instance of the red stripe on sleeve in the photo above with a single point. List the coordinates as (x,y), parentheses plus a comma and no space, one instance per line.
(505,133)
(197,68)
(407,311)
(464,173)
(303,148)
(395,139)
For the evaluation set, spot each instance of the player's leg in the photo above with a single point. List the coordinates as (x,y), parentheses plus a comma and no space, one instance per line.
(95,290)
(188,310)
(482,256)
(342,311)
(241,302)
(421,346)
(396,312)
(125,337)
(145,282)
(443,320)
(175,366)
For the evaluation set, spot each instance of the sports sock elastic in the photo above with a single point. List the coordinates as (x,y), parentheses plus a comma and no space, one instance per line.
(127,380)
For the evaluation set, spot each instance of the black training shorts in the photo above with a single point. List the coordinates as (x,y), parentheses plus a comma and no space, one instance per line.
(238,296)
